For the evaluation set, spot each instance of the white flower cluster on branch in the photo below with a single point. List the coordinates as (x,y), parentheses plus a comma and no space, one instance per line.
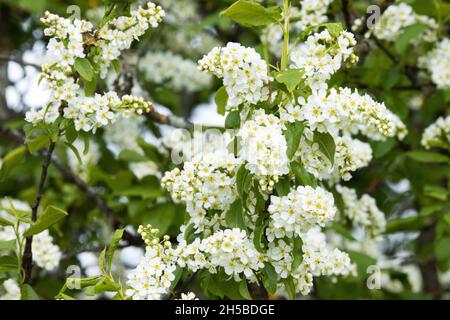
(396,18)
(244,73)
(312,13)
(363,211)
(437,62)
(262,139)
(321,55)
(205,183)
(72,41)
(437,134)
(11,290)
(174,71)
(303,208)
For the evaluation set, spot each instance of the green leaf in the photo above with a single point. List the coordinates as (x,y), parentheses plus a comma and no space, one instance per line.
(243,290)
(290,287)
(117,65)
(50,216)
(249,13)
(11,160)
(283,186)
(75,152)
(409,33)
(293,136)
(90,86)
(221,100)
(28,293)
(131,156)
(334,28)
(8,264)
(177,273)
(113,246)
(9,245)
(297,253)
(326,144)
(291,78)
(436,192)
(234,217)
(260,226)
(84,68)
(303,177)
(37,143)
(71,134)
(243,180)
(427,156)
(4,222)
(233,120)
(407,224)
(101,260)
(270,278)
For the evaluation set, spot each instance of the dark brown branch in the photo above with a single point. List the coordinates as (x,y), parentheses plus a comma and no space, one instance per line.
(27,261)
(346,12)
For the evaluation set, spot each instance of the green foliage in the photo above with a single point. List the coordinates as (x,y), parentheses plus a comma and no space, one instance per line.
(250,13)
(50,216)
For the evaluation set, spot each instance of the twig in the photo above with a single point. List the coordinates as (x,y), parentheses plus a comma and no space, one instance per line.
(27,261)
(70,177)
(346,13)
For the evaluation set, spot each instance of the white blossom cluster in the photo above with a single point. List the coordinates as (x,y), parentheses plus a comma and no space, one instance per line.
(350,155)
(183,145)
(152,278)
(294,214)
(363,211)
(437,62)
(397,17)
(437,134)
(312,13)
(188,296)
(74,40)
(343,110)
(179,12)
(318,259)
(272,36)
(263,147)
(244,73)
(11,290)
(115,137)
(45,253)
(321,55)
(173,71)
(207,182)
(230,249)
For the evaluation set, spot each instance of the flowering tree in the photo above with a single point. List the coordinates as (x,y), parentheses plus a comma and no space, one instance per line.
(313,181)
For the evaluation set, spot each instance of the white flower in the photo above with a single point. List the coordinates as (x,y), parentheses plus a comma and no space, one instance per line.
(437,62)
(243,71)
(173,71)
(437,134)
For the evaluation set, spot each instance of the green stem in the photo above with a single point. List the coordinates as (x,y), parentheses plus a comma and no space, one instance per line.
(285,55)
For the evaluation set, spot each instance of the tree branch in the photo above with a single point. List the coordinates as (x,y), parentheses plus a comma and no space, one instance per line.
(27,261)
(70,177)
(346,12)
